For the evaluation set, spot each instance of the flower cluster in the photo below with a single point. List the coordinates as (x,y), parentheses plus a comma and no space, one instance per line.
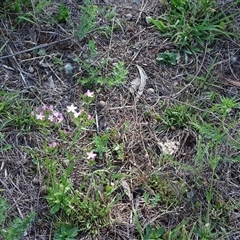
(76,113)
(73,109)
(47,112)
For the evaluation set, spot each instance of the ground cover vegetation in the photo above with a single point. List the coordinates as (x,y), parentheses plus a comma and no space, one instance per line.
(119,120)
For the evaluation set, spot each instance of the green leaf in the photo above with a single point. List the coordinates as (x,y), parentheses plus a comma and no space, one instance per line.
(55,208)
(73,232)
(158,24)
(3,209)
(2,105)
(154,233)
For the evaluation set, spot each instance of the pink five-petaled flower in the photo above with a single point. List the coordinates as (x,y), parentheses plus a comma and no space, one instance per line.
(91,155)
(51,118)
(44,107)
(40,116)
(56,117)
(71,108)
(53,145)
(89,93)
(76,114)
(50,107)
(55,114)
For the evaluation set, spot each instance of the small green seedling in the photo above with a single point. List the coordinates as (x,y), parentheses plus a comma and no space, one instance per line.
(17,227)
(63,14)
(154,233)
(170,58)
(66,232)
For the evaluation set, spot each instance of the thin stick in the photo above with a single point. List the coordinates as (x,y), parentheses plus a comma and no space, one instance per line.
(34,48)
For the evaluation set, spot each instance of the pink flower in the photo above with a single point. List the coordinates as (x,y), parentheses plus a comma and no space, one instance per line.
(89,116)
(89,93)
(51,118)
(55,113)
(71,108)
(42,111)
(59,118)
(50,108)
(40,116)
(91,155)
(76,114)
(44,107)
(56,117)
(53,145)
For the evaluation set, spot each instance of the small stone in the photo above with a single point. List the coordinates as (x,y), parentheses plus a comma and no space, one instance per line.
(28,55)
(148,20)
(101,104)
(150,91)
(128,16)
(65,163)
(36,181)
(43,190)
(234,59)
(31,69)
(68,68)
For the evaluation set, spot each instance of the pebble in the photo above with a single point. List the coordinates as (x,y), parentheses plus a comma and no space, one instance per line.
(65,163)
(31,69)
(148,20)
(68,68)
(43,190)
(36,181)
(150,91)
(101,104)
(128,16)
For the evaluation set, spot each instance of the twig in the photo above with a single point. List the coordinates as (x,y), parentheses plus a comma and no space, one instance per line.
(34,48)
(142,9)
(122,107)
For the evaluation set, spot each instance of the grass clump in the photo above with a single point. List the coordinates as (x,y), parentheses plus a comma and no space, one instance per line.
(25,11)
(17,6)
(192,24)
(13,113)
(176,115)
